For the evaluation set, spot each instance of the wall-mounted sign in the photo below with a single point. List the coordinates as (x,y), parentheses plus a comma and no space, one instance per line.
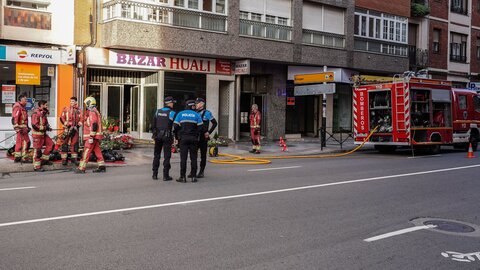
(8,108)
(474,86)
(223,67)
(27,73)
(30,104)
(3,52)
(314,89)
(8,94)
(242,67)
(69,55)
(51,71)
(165,62)
(33,55)
(290,101)
(314,78)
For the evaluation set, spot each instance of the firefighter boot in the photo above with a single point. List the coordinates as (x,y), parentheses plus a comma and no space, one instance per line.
(100,169)
(182,179)
(64,162)
(17,160)
(46,162)
(39,170)
(79,171)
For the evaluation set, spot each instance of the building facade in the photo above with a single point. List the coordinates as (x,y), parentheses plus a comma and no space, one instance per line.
(235,54)
(37,57)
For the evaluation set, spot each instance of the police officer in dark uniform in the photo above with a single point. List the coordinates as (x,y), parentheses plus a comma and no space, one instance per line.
(187,127)
(207,117)
(162,134)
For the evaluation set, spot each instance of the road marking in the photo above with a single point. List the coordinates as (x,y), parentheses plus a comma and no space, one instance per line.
(234,196)
(461,257)
(402,231)
(438,155)
(271,169)
(16,188)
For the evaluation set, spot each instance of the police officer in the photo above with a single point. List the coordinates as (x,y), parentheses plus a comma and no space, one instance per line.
(187,127)
(162,134)
(207,117)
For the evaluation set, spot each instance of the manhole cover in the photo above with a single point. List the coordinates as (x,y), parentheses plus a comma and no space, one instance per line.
(448,226)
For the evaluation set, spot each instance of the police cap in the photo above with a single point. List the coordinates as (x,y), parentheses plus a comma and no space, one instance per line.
(169,100)
(199,100)
(190,103)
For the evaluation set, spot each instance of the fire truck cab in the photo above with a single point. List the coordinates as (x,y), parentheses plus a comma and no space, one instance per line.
(416,112)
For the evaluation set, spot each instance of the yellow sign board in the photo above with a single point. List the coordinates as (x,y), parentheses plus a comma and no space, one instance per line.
(314,78)
(27,73)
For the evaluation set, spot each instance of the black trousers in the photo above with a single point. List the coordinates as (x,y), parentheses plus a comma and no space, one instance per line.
(188,145)
(203,145)
(165,144)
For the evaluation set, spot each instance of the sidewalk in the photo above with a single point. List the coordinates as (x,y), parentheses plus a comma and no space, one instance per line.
(142,154)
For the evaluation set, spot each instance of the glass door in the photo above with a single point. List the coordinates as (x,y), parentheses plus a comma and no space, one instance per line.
(134,109)
(150,97)
(114,107)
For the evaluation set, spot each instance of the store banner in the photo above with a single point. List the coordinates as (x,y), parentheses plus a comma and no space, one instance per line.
(28,74)
(3,52)
(33,55)
(166,62)
(8,94)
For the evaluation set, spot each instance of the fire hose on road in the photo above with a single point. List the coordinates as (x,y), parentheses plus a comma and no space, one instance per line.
(241,160)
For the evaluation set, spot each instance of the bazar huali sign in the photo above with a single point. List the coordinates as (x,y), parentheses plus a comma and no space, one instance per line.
(161,62)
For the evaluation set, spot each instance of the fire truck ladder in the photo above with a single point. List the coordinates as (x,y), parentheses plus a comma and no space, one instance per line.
(401,98)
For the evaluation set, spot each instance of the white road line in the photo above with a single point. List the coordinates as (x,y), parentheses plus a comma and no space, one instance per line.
(16,188)
(234,196)
(271,169)
(403,231)
(438,155)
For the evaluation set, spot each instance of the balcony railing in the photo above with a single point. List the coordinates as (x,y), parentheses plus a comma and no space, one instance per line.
(418,57)
(323,39)
(377,46)
(163,15)
(27,18)
(458,58)
(265,30)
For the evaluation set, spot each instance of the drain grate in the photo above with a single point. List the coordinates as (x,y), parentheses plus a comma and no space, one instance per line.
(450,226)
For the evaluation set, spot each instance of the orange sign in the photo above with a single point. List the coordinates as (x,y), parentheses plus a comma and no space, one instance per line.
(314,78)
(28,73)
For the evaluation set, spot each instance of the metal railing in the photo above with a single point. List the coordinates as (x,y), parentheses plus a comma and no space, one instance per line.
(323,39)
(376,46)
(417,57)
(458,58)
(265,30)
(163,15)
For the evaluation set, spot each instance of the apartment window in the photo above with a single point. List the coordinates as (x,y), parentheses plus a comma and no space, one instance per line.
(27,4)
(126,11)
(270,19)
(220,6)
(458,47)
(459,6)
(243,15)
(478,48)
(179,3)
(436,41)
(282,21)
(193,4)
(256,17)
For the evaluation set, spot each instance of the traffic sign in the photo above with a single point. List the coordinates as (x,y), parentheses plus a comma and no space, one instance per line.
(30,104)
(314,78)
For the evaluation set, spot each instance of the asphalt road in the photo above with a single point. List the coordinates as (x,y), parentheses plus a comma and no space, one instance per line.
(315,214)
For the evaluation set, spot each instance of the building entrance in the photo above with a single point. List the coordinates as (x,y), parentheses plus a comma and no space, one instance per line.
(246,102)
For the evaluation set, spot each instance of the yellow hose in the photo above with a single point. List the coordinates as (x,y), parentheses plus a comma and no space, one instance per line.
(241,160)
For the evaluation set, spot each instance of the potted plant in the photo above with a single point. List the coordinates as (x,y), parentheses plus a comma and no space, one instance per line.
(213,146)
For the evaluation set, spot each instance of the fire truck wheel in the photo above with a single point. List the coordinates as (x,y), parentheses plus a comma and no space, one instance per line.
(384,149)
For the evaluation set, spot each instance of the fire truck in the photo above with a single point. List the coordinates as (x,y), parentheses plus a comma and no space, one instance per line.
(415,112)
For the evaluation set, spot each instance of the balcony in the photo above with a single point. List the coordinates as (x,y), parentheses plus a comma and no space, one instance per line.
(418,58)
(265,30)
(458,58)
(379,46)
(311,37)
(27,18)
(163,15)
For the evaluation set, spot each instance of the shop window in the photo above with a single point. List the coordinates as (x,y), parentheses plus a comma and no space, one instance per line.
(41,88)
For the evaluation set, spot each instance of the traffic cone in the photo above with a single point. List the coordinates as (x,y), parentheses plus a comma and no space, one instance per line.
(470,151)
(281,142)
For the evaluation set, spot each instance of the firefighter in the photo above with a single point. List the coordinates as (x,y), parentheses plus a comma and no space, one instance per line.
(20,125)
(71,121)
(162,134)
(207,117)
(187,127)
(92,134)
(255,120)
(40,137)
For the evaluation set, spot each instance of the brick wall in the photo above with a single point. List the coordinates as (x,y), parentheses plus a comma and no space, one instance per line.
(439,8)
(400,7)
(82,22)
(474,62)
(475,14)
(440,59)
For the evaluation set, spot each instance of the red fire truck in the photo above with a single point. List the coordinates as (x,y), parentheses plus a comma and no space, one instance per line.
(417,113)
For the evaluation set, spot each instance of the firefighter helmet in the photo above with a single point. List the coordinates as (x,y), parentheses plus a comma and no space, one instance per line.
(90,102)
